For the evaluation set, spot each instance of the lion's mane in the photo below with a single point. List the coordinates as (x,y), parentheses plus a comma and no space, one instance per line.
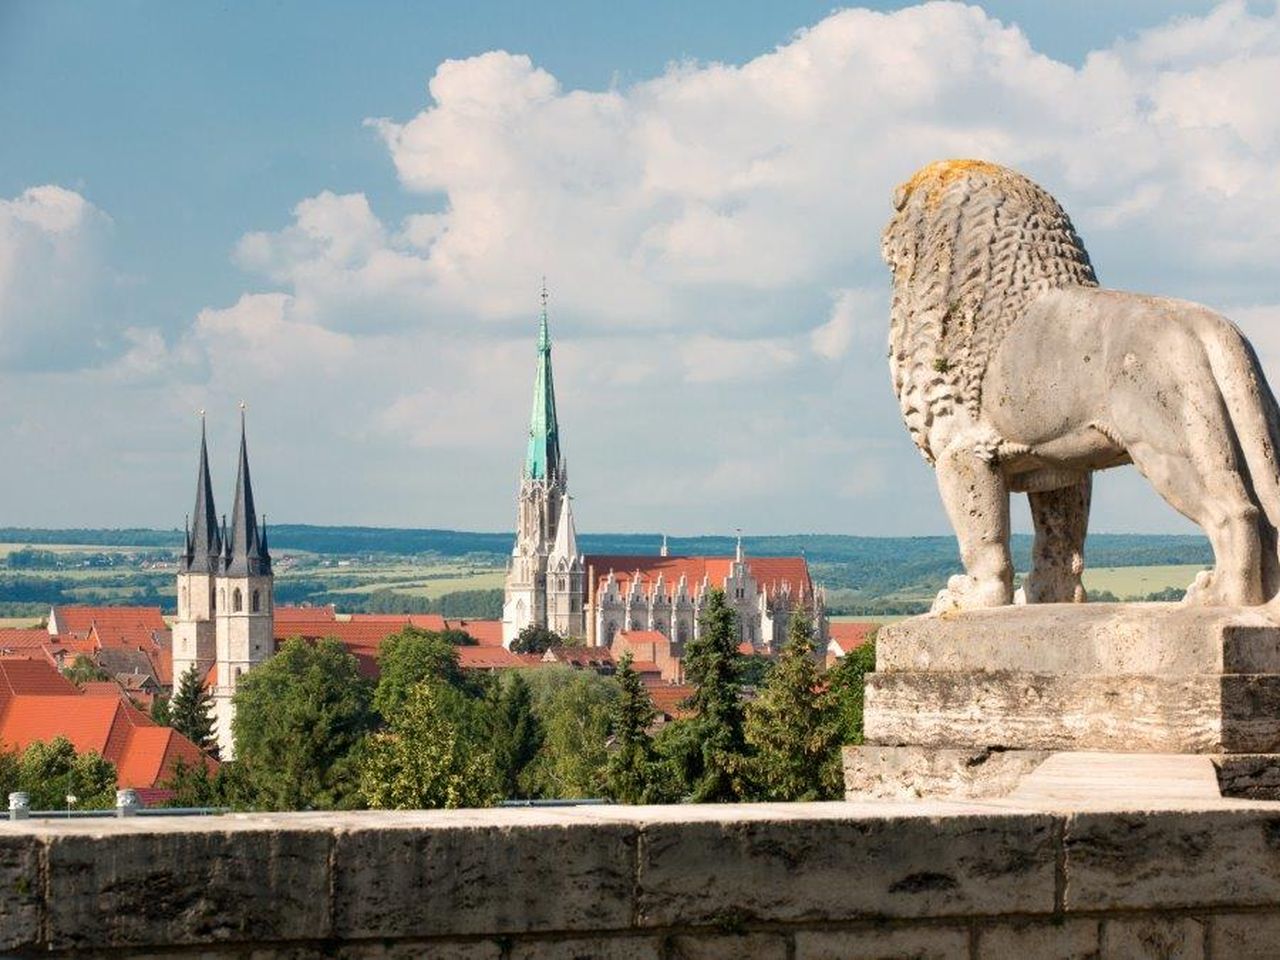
(971,245)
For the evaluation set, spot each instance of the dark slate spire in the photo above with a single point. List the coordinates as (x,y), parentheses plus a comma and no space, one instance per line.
(204,544)
(247,547)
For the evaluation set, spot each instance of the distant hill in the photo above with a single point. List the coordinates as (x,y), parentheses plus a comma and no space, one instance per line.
(1104,549)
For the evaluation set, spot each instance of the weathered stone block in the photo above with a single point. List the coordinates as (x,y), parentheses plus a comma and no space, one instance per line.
(143,883)
(1036,711)
(1041,940)
(907,772)
(1249,776)
(1245,936)
(1154,938)
(1183,859)
(847,863)
(619,947)
(21,891)
(486,872)
(916,943)
(729,946)
(1095,638)
(412,950)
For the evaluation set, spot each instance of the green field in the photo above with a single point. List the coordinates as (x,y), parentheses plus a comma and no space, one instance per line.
(1140,581)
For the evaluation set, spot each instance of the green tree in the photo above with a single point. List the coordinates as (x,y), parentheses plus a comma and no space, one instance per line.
(8,773)
(425,759)
(191,709)
(407,659)
(50,772)
(83,670)
(633,774)
(515,733)
(574,708)
(536,639)
(714,761)
(846,683)
(160,711)
(300,717)
(793,726)
(194,786)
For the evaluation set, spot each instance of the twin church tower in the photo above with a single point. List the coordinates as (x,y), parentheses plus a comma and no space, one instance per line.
(225,622)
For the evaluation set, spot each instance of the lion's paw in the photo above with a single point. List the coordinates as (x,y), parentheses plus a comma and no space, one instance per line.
(964,592)
(1202,591)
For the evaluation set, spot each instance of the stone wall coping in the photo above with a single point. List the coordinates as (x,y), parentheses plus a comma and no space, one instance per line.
(513,881)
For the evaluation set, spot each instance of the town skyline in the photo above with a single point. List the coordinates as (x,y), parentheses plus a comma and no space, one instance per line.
(707,216)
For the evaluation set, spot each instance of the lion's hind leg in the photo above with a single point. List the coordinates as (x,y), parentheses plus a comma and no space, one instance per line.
(1061,519)
(1213,496)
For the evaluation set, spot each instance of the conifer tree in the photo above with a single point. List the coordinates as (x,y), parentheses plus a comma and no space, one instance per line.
(793,725)
(847,685)
(516,733)
(719,770)
(631,770)
(191,709)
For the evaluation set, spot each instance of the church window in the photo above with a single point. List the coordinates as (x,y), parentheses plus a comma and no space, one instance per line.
(237,601)
(182,598)
(256,603)
(611,631)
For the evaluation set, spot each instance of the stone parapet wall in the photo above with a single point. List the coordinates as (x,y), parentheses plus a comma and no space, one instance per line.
(829,881)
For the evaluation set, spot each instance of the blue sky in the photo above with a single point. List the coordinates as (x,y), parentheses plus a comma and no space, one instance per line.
(219,215)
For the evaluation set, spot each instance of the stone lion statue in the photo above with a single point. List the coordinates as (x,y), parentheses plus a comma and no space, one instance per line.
(1015,371)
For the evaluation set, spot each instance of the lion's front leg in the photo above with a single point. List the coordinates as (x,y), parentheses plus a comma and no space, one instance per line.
(1061,519)
(977,501)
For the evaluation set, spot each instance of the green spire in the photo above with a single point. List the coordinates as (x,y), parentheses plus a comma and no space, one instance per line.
(543,460)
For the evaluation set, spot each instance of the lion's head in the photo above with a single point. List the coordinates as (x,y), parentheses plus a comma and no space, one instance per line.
(970,244)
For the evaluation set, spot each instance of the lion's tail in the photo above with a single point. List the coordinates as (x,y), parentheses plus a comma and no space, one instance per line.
(1255,418)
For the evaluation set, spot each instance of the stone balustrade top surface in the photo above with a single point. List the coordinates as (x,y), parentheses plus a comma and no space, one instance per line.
(462,877)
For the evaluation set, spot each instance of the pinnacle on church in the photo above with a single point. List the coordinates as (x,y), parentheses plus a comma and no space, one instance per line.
(247,546)
(566,544)
(204,543)
(543,459)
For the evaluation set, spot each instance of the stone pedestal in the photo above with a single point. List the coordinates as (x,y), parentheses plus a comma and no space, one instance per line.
(969,703)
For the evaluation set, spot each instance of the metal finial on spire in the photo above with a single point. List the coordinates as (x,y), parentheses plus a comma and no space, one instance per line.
(738,555)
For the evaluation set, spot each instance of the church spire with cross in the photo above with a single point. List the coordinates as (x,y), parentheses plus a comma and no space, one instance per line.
(246,546)
(543,459)
(204,542)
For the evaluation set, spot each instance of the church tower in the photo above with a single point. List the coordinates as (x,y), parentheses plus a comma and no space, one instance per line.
(245,634)
(544,491)
(198,567)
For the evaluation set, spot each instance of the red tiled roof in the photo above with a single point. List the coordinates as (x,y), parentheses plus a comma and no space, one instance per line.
(19,676)
(142,751)
(423,621)
(78,620)
(771,573)
(489,658)
(289,614)
(487,633)
(151,755)
(645,666)
(16,639)
(101,688)
(668,697)
(579,656)
(850,634)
